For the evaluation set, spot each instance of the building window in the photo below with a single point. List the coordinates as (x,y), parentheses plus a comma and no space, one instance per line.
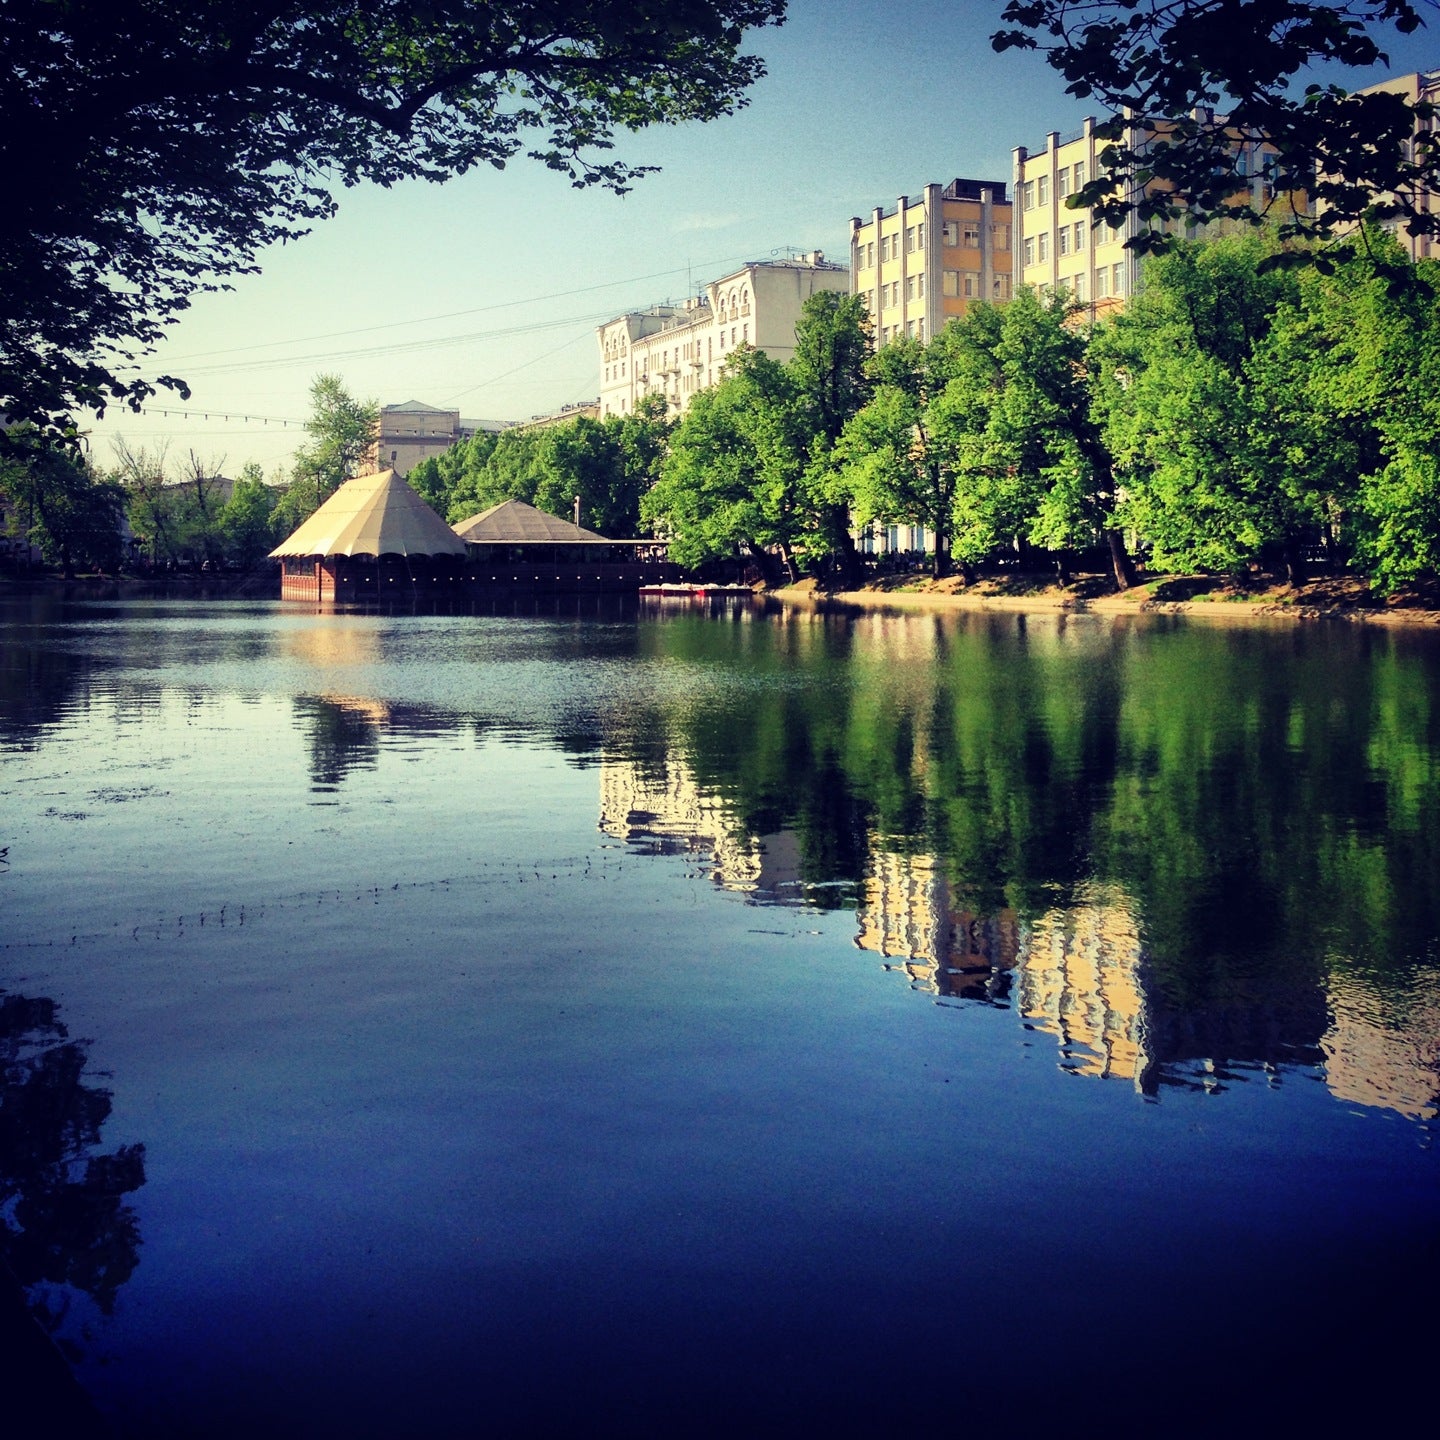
(1000,236)
(920,329)
(920,236)
(1117,286)
(1102,283)
(870,254)
(1029,249)
(950,283)
(1062,182)
(1079,175)
(972,285)
(921,282)
(1062,240)
(1029,194)
(1042,190)
(909,239)
(1079,236)
(1080,286)
(970,236)
(950,232)
(1042,248)
(1001,287)
(909,287)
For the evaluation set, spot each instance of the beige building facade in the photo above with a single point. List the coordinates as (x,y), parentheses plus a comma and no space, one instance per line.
(1058,247)
(1419,87)
(412,432)
(678,350)
(930,257)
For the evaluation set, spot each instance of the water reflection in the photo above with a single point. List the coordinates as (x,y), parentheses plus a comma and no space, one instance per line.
(1187,863)
(65,1225)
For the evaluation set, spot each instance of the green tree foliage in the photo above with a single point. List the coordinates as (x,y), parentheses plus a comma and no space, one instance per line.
(733,484)
(342,430)
(831,385)
(245,522)
(891,465)
(1186,418)
(152,151)
(1366,363)
(54,500)
(490,468)
(1196,76)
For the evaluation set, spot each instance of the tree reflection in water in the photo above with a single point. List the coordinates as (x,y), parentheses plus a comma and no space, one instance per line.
(64,1223)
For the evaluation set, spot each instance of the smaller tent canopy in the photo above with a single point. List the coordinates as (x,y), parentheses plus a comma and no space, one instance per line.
(513,522)
(373,515)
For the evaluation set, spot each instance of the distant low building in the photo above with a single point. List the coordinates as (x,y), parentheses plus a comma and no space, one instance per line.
(412,432)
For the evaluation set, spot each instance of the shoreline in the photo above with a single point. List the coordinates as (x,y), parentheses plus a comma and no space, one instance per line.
(1222,604)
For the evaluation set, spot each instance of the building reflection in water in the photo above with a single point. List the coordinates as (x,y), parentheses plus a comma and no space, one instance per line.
(658,806)
(1078,973)
(1382,1053)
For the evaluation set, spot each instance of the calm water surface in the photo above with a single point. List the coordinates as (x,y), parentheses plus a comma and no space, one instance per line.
(736,1023)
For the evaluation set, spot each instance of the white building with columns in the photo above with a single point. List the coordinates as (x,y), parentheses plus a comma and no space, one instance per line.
(678,350)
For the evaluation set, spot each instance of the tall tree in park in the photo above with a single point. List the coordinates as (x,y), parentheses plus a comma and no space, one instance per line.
(488,469)
(1042,436)
(1197,76)
(890,465)
(1182,412)
(734,483)
(152,151)
(1367,362)
(831,384)
(57,502)
(342,430)
(245,520)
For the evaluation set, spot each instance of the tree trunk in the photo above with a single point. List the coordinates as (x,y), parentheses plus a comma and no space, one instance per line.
(1062,570)
(941,567)
(770,571)
(1121,565)
(1295,570)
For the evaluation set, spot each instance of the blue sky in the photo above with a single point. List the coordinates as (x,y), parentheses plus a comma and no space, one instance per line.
(484,293)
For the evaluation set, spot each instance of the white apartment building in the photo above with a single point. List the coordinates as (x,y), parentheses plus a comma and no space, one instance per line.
(678,350)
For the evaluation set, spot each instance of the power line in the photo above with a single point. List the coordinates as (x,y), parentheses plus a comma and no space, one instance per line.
(450,314)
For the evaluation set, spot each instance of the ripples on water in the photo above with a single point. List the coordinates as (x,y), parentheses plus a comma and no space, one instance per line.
(572,1020)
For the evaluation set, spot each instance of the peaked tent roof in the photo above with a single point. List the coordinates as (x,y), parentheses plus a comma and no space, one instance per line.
(373,515)
(513,522)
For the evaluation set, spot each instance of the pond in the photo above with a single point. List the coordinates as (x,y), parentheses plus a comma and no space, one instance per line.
(735,1019)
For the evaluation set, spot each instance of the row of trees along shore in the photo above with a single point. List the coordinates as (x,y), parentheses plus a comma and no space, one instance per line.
(78,513)
(1244,409)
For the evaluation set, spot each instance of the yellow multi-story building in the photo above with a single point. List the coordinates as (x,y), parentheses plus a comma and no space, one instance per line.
(1418,88)
(931,257)
(1057,247)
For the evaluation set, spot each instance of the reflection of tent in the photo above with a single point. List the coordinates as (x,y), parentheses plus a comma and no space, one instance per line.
(372,536)
(373,515)
(513,522)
